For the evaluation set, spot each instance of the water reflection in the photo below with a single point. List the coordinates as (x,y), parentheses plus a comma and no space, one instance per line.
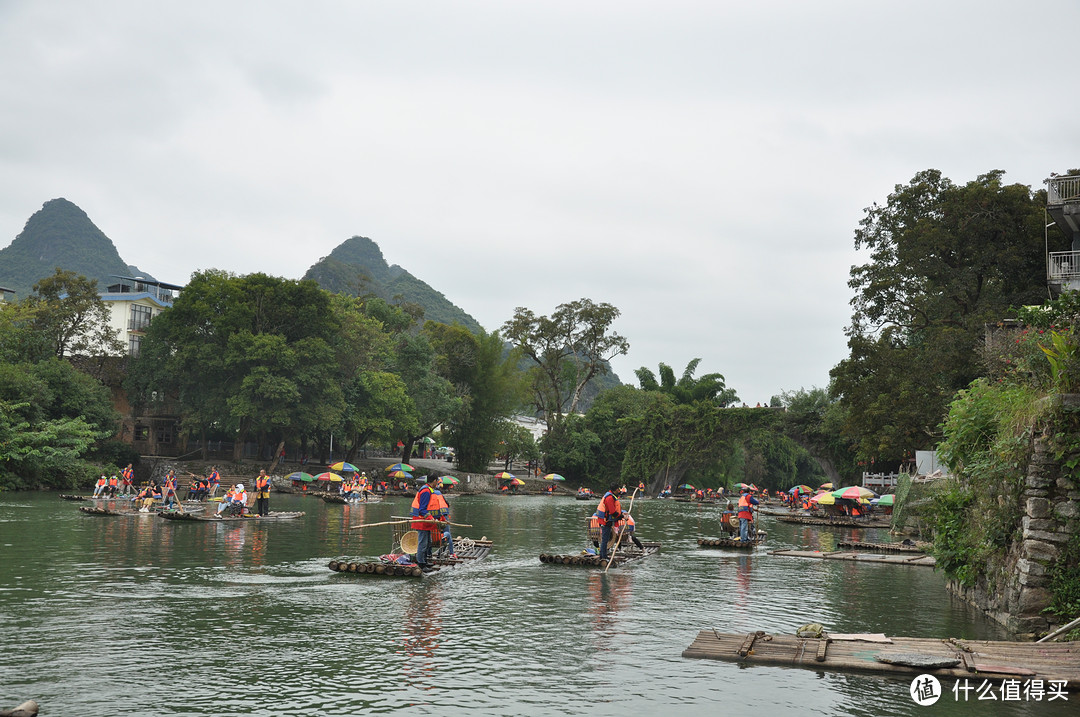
(609,594)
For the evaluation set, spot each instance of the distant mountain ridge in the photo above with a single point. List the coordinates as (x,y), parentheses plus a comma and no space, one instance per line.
(60,234)
(357,267)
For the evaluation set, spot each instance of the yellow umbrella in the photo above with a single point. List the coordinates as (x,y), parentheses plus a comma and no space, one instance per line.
(824,499)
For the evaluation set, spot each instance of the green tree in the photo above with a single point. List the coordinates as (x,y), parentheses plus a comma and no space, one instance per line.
(710,387)
(249,356)
(945,260)
(487,379)
(568,349)
(70,315)
(433,396)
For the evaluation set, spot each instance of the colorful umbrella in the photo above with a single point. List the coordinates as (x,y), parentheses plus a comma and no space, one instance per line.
(343,466)
(885,500)
(516,481)
(825,486)
(801,489)
(399,474)
(553,476)
(505,476)
(399,467)
(686,486)
(328,476)
(823,499)
(300,476)
(854,493)
(449,480)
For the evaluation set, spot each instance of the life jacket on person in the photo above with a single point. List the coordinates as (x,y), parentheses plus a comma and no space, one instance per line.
(641,485)
(114,482)
(602,512)
(102,482)
(262,484)
(204,485)
(627,523)
(127,474)
(745,511)
(215,478)
(418,511)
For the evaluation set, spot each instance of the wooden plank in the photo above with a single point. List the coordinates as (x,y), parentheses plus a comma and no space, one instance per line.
(994,660)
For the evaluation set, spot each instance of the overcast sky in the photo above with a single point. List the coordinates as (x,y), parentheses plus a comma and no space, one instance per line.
(700,165)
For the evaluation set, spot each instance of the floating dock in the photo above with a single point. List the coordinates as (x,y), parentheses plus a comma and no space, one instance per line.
(903,657)
(912,547)
(915,559)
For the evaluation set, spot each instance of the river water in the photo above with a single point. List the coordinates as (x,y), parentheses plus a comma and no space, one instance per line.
(142,616)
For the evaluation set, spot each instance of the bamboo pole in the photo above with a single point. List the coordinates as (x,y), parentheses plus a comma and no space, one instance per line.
(409,520)
(1060,630)
(621,532)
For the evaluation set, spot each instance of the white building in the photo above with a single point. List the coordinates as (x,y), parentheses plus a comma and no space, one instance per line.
(133,302)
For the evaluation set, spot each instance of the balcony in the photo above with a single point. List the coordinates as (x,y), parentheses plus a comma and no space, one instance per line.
(1064,266)
(1060,190)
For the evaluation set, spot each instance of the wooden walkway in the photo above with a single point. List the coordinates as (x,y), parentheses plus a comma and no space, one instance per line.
(914,559)
(899,656)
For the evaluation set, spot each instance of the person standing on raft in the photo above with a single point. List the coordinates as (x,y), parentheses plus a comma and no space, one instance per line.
(421,508)
(262,493)
(609,513)
(746,514)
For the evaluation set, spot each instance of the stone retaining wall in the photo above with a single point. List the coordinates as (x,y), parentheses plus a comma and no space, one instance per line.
(1017,595)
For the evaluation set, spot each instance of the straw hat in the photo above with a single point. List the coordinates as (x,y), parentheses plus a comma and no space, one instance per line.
(410,541)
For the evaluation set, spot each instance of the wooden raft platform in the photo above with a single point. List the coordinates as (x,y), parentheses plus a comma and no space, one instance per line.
(352,501)
(981,659)
(468,551)
(758,539)
(622,557)
(837,521)
(215,518)
(915,559)
(156,510)
(915,547)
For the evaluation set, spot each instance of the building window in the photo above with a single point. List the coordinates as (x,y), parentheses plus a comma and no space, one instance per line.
(134,344)
(140,318)
(142,433)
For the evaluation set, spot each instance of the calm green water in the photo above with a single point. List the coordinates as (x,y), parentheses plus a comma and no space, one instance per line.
(142,616)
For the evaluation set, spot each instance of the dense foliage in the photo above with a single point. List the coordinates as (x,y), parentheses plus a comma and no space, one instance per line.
(945,260)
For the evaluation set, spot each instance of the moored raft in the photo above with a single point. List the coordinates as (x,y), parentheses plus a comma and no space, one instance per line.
(156,510)
(331,498)
(467,551)
(623,556)
(902,657)
(901,547)
(214,518)
(913,559)
(842,521)
(732,542)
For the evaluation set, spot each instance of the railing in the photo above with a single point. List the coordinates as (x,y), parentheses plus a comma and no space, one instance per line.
(138,324)
(1063,265)
(1063,189)
(879,481)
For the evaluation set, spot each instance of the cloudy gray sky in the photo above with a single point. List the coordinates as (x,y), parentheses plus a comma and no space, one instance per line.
(700,165)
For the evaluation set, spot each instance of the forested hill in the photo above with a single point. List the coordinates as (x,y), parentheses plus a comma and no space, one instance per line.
(357,267)
(60,235)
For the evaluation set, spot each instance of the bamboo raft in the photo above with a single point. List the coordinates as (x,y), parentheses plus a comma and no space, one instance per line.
(903,657)
(372,498)
(915,559)
(732,542)
(915,547)
(214,518)
(467,550)
(622,557)
(839,521)
(156,510)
